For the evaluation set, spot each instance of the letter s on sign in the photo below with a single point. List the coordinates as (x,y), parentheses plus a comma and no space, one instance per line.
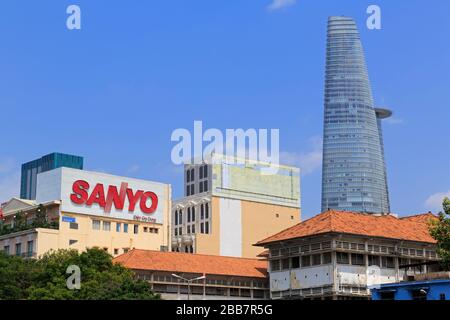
(143,204)
(80,194)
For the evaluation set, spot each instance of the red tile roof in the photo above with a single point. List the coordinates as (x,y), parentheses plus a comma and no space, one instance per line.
(178,262)
(413,228)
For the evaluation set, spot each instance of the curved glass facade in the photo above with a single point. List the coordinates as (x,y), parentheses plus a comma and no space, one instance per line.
(354,174)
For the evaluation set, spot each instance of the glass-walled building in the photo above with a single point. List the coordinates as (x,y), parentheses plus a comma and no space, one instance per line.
(354,172)
(49,162)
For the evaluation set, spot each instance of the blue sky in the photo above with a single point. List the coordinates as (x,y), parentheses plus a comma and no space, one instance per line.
(115,90)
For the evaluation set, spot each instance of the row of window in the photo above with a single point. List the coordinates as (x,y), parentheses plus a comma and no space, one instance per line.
(203,173)
(204,228)
(18,249)
(354,259)
(191,214)
(354,247)
(106,226)
(190,188)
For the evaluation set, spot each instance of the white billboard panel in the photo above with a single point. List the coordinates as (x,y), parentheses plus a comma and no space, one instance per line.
(99,194)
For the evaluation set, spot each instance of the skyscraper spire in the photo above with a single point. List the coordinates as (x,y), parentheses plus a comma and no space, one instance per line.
(354,173)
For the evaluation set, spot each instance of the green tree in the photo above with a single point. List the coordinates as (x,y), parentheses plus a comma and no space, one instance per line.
(101,279)
(40,216)
(440,231)
(16,276)
(20,221)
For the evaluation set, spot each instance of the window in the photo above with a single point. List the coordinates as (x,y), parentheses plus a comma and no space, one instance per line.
(342,258)
(275,265)
(193,228)
(205,173)
(176,231)
(295,262)
(200,173)
(306,261)
(188,190)
(106,226)
(6,249)
(180,218)
(136,229)
(96,224)
(116,251)
(192,189)
(176,217)
(442,296)
(357,259)
(18,249)
(206,210)
(145,229)
(387,295)
(180,231)
(374,261)
(285,264)
(202,227)
(73,225)
(188,229)
(387,262)
(207,227)
(188,176)
(189,215)
(193,214)
(202,211)
(316,259)
(192,174)
(125,227)
(125,250)
(30,248)
(326,258)
(191,249)
(205,187)
(118,225)
(201,187)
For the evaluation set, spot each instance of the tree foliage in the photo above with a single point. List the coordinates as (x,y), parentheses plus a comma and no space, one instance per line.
(46,278)
(440,231)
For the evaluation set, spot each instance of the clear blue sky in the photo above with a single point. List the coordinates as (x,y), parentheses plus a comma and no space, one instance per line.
(114,91)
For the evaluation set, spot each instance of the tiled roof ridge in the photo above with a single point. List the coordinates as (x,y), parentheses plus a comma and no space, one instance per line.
(196,254)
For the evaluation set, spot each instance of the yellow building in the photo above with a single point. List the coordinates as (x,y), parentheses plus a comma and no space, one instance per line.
(88,209)
(230,204)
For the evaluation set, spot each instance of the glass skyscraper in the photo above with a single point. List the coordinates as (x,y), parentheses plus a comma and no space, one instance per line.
(354,172)
(49,162)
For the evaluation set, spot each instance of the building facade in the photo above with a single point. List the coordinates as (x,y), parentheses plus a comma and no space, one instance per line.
(340,255)
(438,289)
(354,171)
(171,274)
(230,204)
(31,169)
(88,209)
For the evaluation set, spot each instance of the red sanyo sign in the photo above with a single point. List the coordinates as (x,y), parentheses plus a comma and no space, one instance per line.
(146,200)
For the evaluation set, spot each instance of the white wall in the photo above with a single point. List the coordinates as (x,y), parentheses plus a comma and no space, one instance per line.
(230,227)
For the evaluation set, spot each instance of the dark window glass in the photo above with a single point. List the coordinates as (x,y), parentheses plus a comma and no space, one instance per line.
(342,258)
(295,262)
(326,258)
(316,259)
(306,261)
(357,259)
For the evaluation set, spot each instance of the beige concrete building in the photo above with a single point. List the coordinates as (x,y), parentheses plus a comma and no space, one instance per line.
(231,203)
(88,209)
